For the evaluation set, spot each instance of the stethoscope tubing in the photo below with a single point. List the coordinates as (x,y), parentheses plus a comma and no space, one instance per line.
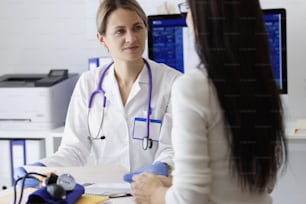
(99,90)
(149,98)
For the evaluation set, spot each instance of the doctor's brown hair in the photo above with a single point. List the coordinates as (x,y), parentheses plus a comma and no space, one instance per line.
(108,6)
(232,44)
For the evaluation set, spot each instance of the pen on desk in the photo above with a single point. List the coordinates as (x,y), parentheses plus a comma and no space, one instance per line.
(87,184)
(119,195)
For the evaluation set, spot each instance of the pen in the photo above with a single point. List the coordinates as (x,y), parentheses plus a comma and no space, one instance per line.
(119,195)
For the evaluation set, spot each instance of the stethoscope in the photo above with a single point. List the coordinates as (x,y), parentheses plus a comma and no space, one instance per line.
(147,142)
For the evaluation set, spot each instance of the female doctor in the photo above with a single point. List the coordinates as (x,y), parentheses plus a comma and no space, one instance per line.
(110,105)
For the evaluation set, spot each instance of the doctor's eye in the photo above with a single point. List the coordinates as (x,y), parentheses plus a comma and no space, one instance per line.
(119,32)
(139,27)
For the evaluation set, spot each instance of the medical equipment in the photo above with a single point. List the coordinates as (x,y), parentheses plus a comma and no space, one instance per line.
(56,189)
(147,141)
(35,101)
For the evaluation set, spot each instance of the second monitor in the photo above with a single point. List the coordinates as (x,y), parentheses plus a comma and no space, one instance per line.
(170,42)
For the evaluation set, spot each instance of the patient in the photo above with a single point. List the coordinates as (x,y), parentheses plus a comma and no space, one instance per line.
(228,134)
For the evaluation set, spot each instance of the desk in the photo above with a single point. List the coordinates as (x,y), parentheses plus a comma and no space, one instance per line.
(289,189)
(125,200)
(87,174)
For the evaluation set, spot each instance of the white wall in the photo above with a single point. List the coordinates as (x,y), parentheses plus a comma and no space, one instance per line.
(38,35)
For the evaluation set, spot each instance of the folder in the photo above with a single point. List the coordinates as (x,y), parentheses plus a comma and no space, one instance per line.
(18,155)
(35,150)
(5,164)
(26,151)
(85,199)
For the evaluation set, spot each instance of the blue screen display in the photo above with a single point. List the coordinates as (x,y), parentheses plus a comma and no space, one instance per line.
(273,28)
(167,42)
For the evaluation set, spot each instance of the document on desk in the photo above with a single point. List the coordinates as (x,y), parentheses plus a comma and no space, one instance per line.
(111,190)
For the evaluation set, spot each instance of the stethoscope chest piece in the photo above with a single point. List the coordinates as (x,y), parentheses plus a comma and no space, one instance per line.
(147,143)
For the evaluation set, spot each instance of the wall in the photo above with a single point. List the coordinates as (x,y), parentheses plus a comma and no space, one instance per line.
(38,35)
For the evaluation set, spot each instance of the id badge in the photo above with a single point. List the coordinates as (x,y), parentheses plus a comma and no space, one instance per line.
(140,129)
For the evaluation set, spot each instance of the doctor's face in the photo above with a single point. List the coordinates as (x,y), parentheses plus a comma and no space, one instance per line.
(125,35)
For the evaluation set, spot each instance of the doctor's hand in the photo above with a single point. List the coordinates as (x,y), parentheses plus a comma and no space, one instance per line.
(20,172)
(158,168)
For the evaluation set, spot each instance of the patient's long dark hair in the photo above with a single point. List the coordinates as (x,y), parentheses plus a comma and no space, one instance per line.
(232,44)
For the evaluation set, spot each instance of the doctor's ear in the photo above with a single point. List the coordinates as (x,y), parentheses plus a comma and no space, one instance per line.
(101,40)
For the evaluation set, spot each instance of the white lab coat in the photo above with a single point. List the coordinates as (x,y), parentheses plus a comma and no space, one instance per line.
(118,147)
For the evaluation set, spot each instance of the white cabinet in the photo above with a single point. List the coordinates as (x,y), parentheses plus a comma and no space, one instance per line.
(51,137)
(28,146)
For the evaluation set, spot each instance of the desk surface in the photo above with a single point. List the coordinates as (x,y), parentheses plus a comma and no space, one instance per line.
(6,193)
(126,200)
(111,175)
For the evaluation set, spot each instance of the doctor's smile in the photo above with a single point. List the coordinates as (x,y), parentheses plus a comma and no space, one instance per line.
(131,48)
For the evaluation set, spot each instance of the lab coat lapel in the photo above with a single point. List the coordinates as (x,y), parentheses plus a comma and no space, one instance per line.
(112,90)
(141,80)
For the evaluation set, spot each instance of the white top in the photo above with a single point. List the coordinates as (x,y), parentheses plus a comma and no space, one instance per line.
(118,147)
(202,172)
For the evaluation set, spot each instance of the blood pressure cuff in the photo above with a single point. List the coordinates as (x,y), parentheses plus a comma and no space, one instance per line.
(41,196)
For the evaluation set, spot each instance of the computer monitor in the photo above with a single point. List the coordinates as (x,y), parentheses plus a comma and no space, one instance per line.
(166,39)
(275,23)
(170,42)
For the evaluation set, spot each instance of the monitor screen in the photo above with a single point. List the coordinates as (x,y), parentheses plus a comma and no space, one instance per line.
(170,42)
(166,40)
(275,23)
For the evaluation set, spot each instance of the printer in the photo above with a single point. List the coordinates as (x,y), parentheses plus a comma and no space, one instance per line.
(35,101)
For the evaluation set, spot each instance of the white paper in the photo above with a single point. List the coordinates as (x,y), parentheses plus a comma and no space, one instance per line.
(109,189)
